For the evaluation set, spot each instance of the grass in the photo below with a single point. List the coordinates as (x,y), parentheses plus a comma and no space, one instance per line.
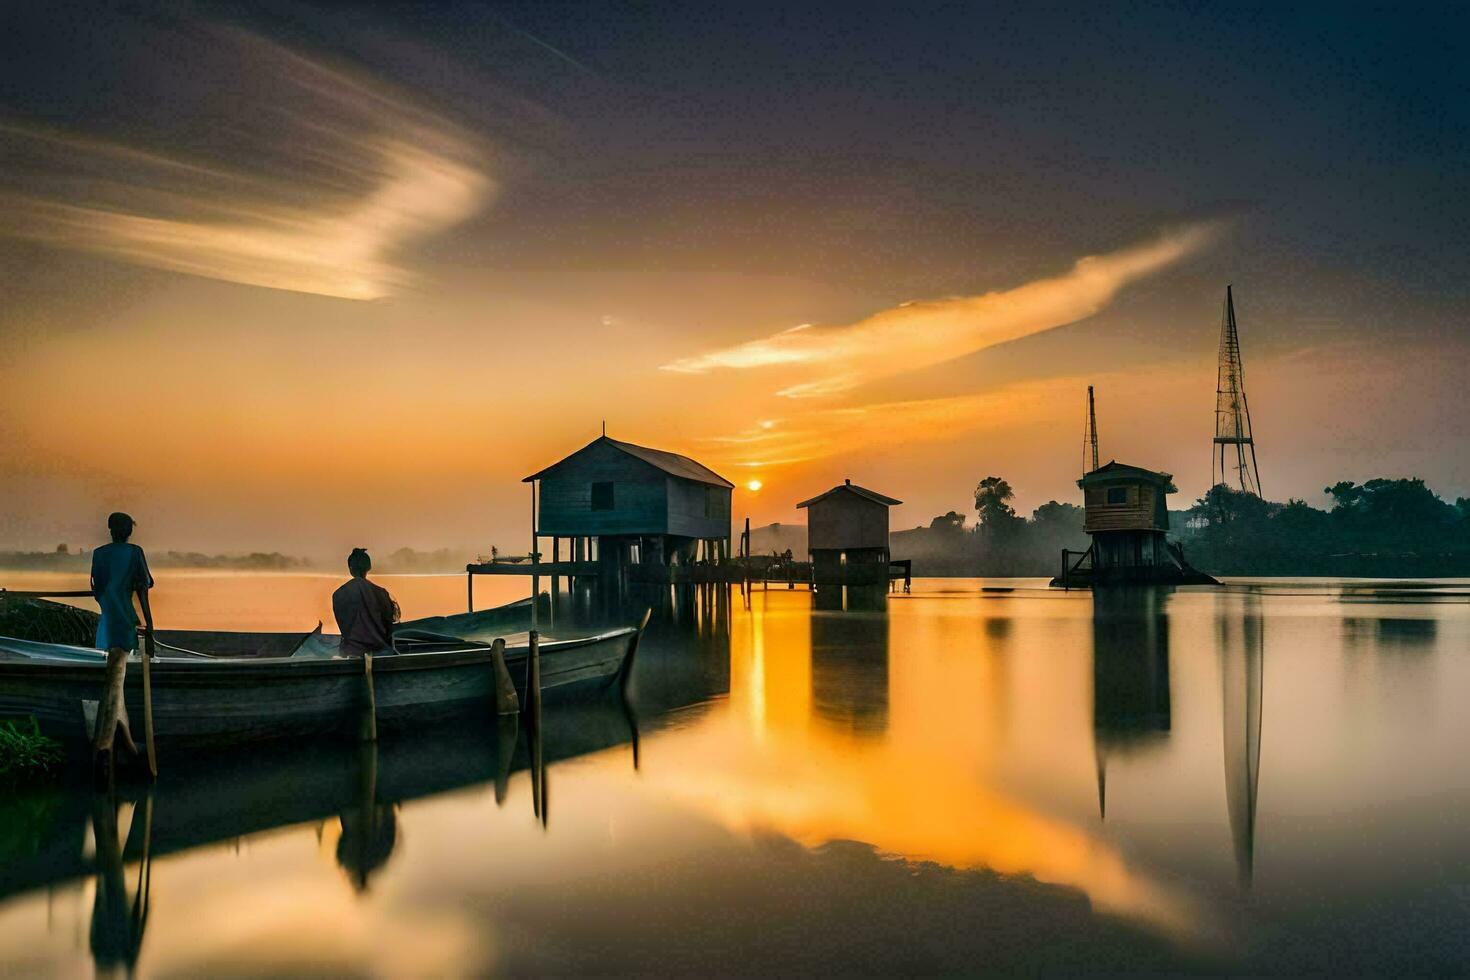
(26,755)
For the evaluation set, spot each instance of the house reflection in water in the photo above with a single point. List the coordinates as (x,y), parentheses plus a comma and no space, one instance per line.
(1130,674)
(849,628)
(1242,665)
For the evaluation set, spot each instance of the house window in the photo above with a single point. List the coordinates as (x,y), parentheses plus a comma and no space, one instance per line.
(1117,495)
(602,496)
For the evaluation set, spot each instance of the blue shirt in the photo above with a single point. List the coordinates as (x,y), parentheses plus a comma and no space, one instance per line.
(118,570)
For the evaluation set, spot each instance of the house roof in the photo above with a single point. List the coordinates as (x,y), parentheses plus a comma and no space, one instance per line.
(1114,470)
(853,488)
(671,463)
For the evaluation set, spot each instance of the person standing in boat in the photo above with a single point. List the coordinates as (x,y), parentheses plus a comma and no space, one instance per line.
(119,572)
(365,611)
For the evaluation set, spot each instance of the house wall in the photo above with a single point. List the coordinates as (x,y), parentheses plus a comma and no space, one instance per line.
(1143,511)
(640,496)
(688,515)
(845,521)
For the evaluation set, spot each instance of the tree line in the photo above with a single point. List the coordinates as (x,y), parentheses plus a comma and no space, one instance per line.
(1383,527)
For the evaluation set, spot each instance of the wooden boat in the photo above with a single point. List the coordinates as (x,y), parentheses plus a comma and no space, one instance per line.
(214,688)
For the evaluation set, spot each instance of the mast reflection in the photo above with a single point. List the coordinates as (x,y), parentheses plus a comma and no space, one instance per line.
(1242,668)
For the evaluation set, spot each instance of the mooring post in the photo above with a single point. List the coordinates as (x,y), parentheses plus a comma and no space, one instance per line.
(506,702)
(469,581)
(533,682)
(149,653)
(370,714)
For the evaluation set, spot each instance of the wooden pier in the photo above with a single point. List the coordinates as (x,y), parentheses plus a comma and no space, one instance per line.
(746,572)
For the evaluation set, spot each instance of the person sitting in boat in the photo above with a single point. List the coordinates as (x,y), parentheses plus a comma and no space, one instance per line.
(119,572)
(365,611)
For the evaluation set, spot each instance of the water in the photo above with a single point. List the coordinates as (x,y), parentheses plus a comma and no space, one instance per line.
(1265,777)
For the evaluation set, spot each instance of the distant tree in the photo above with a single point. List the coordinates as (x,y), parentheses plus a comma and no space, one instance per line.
(1224,506)
(992,502)
(1061,516)
(61,549)
(1345,494)
(948,524)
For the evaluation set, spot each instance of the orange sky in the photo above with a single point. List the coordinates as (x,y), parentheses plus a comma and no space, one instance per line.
(357,316)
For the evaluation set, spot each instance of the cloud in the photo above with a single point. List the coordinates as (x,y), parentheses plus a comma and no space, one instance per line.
(920,334)
(335,174)
(818,434)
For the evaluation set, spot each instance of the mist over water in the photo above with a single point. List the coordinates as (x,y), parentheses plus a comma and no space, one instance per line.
(1256,778)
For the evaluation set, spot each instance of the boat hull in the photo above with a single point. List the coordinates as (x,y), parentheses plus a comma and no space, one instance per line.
(202,702)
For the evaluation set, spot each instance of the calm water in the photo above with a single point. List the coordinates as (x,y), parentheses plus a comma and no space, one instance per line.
(1265,777)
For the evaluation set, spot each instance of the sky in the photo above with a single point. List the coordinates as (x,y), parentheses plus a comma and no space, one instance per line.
(303,277)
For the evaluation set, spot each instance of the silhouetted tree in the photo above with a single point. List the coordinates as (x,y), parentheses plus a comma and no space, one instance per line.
(992,502)
(952,523)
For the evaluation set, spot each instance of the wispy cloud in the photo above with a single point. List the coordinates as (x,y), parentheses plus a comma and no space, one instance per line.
(342,173)
(920,334)
(816,434)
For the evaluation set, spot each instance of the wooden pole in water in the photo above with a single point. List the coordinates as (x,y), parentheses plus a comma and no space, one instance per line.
(506,702)
(370,716)
(533,685)
(538,768)
(149,652)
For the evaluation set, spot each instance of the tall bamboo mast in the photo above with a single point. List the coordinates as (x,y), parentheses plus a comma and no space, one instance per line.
(1234,457)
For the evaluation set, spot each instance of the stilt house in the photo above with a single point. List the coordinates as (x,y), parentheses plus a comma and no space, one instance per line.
(847,525)
(1126,513)
(622,504)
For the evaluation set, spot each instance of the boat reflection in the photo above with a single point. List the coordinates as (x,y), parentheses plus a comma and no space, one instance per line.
(1130,674)
(220,798)
(228,798)
(1241,647)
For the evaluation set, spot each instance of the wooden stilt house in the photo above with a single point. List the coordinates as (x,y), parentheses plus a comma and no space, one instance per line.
(1126,513)
(624,505)
(848,526)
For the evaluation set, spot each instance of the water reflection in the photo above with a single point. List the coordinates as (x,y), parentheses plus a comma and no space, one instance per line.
(1391,634)
(119,914)
(227,798)
(1241,646)
(1130,674)
(369,829)
(810,770)
(849,649)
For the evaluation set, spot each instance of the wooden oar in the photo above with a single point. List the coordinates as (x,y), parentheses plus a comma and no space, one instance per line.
(148,654)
